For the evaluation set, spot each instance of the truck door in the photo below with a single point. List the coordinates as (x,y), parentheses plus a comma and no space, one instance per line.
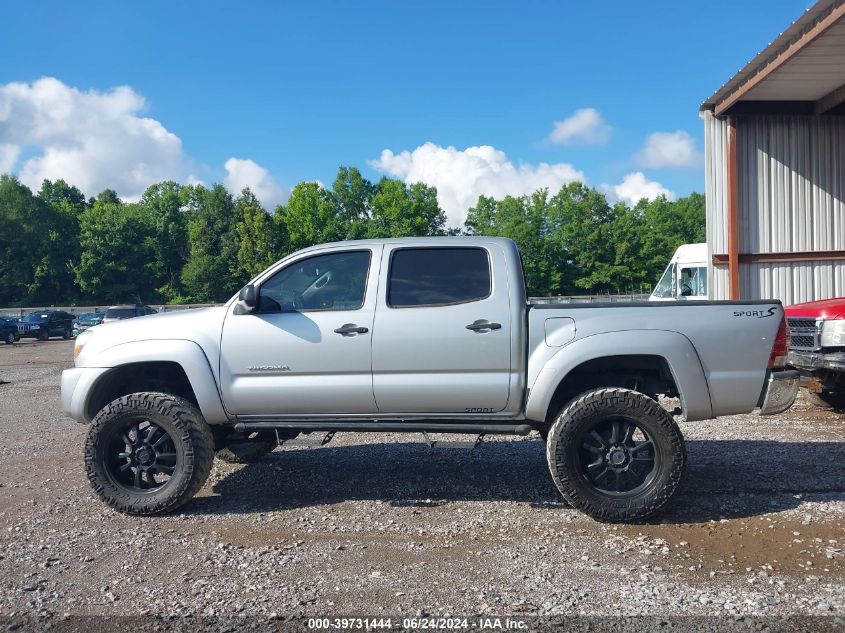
(306,349)
(442,333)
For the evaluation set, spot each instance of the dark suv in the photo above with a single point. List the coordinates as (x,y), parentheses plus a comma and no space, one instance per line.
(43,325)
(8,331)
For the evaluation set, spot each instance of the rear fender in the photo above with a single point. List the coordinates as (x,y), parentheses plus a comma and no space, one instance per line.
(676,349)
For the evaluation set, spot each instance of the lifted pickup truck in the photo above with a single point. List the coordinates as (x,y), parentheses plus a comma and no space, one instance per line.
(426,334)
(817,349)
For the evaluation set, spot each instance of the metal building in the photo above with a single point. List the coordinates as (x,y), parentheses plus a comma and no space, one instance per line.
(775,167)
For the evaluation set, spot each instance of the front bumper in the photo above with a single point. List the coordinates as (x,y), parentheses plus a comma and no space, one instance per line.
(810,361)
(780,392)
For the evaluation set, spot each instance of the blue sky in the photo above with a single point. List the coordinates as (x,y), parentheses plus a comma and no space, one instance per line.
(293,90)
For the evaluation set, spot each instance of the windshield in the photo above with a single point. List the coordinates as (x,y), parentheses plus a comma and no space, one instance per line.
(36,317)
(665,287)
(120,313)
(87,320)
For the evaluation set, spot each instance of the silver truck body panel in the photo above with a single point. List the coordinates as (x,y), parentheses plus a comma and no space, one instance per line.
(422,362)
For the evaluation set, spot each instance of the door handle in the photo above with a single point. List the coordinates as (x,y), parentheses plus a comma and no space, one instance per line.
(351,328)
(483,324)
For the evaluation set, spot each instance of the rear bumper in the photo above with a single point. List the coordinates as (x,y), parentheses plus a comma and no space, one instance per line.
(780,392)
(810,361)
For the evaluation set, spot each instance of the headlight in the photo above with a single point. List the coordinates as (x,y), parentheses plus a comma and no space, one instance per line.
(833,333)
(81,340)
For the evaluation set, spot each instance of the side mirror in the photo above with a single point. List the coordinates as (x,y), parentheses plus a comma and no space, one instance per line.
(248,296)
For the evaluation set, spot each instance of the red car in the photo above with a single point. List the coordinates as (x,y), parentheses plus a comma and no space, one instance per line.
(817,349)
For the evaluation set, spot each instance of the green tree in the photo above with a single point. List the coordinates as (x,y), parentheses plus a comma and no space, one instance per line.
(353,200)
(117,263)
(399,210)
(258,237)
(53,279)
(310,216)
(213,245)
(164,202)
(581,227)
(22,218)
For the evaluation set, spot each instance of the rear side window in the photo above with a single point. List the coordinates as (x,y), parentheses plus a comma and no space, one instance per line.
(437,277)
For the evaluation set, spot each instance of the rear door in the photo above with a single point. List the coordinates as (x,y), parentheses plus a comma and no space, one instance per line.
(442,333)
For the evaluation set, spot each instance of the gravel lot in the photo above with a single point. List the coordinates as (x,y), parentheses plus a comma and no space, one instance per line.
(384,524)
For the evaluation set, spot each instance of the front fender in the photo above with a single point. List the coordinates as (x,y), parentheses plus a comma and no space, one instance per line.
(673,347)
(186,354)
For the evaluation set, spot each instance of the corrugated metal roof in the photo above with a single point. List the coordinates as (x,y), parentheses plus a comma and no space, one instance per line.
(794,84)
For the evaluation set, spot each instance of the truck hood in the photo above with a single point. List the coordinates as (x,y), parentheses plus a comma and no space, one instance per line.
(824,309)
(200,325)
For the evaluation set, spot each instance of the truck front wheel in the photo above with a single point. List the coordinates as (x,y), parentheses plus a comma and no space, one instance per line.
(616,455)
(148,453)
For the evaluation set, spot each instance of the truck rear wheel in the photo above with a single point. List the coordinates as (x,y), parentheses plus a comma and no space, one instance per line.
(616,455)
(148,453)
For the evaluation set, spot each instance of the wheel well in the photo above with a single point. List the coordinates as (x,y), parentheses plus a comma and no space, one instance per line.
(167,377)
(644,373)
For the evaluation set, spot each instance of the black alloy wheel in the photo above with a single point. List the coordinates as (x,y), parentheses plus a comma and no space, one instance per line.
(139,455)
(617,456)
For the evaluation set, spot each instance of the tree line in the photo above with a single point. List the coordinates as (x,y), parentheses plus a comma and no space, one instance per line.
(197,244)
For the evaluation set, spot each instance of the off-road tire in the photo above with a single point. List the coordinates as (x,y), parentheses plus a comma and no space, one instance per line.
(828,399)
(10,338)
(192,439)
(44,335)
(575,420)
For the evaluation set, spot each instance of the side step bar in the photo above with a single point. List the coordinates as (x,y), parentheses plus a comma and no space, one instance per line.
(392,426)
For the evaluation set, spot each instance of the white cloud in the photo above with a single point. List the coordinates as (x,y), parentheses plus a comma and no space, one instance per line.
(585,125)
(460,176)
(91,139)
(8,157)
(634,187)
(242,172)
(669,149)
(97,140)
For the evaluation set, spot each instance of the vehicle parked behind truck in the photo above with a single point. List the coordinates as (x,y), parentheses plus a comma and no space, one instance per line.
(419,334)
(817,349)
(47,324)
(685,278)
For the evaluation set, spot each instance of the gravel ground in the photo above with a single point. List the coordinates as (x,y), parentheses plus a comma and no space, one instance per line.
(385,524)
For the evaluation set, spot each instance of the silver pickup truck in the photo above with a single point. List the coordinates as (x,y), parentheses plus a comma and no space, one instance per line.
(426,334)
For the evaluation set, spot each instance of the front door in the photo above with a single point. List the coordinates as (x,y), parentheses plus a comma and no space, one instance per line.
(442,337)
(306,348)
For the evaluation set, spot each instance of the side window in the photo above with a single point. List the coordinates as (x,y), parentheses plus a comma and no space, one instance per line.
(336,281)
(694,281)
(437,277)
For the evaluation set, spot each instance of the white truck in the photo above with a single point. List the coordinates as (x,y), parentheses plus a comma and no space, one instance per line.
(685,278)
(422,334)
